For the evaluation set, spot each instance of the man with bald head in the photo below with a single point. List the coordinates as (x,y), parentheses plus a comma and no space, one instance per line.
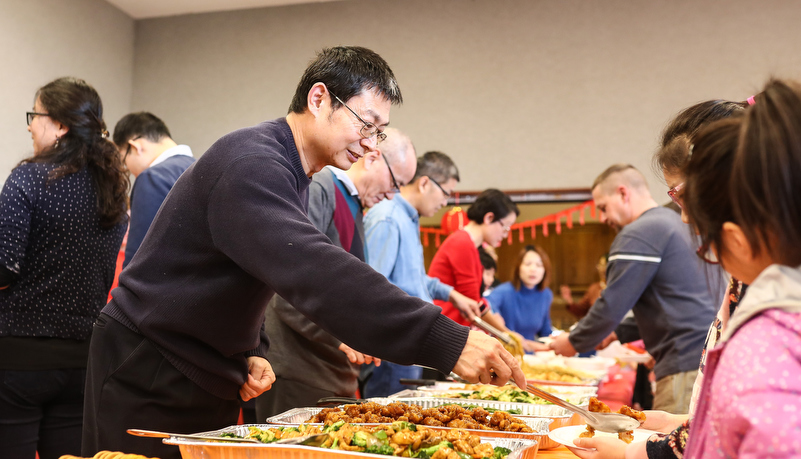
(308,362)
(652,271)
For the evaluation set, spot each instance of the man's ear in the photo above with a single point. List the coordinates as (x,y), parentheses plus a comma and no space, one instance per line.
(370,158)
(423,183)
(489,217)
(318,98)
(625,194)
(137,146)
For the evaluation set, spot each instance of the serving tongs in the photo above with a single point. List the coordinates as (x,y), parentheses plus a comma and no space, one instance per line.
(306,440)
(605,422)
(157,434)
(504,337)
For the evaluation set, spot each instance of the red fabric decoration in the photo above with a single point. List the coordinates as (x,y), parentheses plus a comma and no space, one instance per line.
(545,229)
(453,220)
(570,220)
(558,225)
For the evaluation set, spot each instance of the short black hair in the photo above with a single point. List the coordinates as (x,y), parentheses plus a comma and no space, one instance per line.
(436,165)
(346,71)
(487,262)
(140,124)
(491,200)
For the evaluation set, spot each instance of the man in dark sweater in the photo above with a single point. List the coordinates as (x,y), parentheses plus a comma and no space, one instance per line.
(183,336)
(156,161)
(653,271)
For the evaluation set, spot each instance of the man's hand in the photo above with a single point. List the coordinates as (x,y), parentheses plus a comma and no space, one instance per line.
(605,448)
(561,345)
(534,346)
(357,357)
(607,341)
(260,378)
(468,307)
(566,294)
(485,360)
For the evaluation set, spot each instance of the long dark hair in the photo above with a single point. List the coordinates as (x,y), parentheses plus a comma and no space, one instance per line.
(767,171)
(546,263)
(708,180)
(76,105)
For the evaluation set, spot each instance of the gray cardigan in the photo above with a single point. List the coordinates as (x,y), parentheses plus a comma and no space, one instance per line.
(299,349)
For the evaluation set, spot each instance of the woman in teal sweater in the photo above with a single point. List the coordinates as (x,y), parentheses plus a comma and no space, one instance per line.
(525,303)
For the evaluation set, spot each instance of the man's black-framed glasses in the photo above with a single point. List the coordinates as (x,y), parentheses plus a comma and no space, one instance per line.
(29,116)
(392,176)
(447,195)
(369,129)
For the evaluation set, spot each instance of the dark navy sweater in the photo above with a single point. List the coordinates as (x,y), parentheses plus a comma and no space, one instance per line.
(149,191)
(232,232)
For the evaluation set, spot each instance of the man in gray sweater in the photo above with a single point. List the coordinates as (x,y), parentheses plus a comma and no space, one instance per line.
(653,272)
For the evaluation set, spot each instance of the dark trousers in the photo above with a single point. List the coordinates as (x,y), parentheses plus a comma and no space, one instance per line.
(41,410)
(286,394)
(129,384)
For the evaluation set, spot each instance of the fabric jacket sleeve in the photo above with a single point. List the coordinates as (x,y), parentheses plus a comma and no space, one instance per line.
(633,263)
(17,203)
(146,198)
(437,289)
(383,244)
(546,329)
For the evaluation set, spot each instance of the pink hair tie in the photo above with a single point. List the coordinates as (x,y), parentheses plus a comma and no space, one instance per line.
(751,100)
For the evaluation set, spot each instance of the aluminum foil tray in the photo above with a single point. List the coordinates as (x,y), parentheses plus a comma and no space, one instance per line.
(579,397)
(552,417)
(200,449)
(528,410)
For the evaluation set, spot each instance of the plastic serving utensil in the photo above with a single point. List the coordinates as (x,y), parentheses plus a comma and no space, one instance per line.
(157,434)
(605,422)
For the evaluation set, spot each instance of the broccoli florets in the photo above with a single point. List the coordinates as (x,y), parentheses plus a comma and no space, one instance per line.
(264,436)
(334,427)
(386,450)
(499,452)
(425,453)
(397,426)
(359,439)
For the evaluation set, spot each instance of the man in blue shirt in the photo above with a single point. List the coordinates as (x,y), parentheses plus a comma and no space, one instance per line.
(392,229)
(156,161)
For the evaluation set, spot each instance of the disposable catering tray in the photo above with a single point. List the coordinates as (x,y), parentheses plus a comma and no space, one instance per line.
(540,421)
(575,395)
(522,448)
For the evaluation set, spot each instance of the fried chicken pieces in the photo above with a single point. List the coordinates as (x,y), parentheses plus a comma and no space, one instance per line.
(453,416)
(597,406)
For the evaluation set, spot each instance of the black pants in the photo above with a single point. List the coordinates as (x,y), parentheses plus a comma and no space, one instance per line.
(129,384)
(41,410)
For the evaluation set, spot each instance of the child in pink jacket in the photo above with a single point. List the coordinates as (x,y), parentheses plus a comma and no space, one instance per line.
(750,402)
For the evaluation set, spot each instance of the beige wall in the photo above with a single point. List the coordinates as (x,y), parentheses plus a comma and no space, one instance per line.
(522,93)
(41,40)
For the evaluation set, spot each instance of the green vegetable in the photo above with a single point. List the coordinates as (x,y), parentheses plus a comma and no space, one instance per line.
(335,443)
(230,435)
(425,453)
(397,426)
(380,448)
(289,429)
(334,427)
(381,435)
(500,452)
(463,455)
(264,436)
(359,439)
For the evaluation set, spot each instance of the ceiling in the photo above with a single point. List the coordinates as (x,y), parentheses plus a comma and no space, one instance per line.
(141,9)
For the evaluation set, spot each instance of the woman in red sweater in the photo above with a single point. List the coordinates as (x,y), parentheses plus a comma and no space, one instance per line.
(457,262)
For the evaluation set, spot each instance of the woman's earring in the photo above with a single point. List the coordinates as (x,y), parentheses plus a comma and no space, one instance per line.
(56,144)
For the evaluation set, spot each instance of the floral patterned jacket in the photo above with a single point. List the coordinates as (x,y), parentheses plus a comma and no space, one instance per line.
(750,403)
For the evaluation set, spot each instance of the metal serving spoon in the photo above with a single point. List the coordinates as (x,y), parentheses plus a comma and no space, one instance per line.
(605,422)
(157,434)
